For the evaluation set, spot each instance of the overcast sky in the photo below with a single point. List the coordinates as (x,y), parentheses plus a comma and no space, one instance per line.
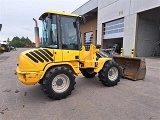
(16,15)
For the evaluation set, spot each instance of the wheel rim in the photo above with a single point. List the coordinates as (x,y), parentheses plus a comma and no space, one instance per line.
(113,73)
(60,83)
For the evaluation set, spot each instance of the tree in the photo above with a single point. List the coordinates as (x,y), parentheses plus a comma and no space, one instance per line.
(21,42)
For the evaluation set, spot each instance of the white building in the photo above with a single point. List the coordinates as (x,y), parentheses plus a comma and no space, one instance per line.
(133,24)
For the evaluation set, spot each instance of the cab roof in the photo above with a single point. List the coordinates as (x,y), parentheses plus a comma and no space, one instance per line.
(57,12)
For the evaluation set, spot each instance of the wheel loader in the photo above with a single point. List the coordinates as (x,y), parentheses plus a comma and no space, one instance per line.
(59,57)
(5,48)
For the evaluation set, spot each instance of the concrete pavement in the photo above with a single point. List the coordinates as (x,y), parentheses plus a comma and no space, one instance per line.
(129,100)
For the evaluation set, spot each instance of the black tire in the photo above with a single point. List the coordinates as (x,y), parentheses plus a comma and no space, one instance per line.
(58,83)
(41,82)
(88,74)
(110,74)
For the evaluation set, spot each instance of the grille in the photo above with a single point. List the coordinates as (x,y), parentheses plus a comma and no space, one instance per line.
(41,55)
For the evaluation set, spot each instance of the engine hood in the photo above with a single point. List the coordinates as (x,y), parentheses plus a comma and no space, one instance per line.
(35,59)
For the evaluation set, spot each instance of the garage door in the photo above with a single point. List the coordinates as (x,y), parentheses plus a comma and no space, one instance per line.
(114,29)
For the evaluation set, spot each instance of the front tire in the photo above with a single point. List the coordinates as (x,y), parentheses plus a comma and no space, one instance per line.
(58,83)
(110,74)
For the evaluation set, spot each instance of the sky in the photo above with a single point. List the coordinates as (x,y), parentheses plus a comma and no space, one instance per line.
(16,15)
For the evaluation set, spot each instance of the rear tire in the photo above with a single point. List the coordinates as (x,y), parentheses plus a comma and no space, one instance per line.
(110,74)
(88,73)
(58,83)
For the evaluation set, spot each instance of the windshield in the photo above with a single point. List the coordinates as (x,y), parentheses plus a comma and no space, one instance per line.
(49,32)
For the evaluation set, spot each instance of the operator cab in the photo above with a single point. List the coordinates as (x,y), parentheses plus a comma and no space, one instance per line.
(60,30)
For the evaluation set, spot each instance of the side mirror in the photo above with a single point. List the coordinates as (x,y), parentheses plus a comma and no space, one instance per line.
(0,27)
(74,24)
(83,19)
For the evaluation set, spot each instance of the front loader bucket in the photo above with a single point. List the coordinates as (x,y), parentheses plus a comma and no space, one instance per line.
(133,68)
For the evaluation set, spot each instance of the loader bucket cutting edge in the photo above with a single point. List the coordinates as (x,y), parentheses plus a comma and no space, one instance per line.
(133,68)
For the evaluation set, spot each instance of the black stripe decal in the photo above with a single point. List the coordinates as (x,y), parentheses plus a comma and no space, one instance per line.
(44,53)
(41,55)
(31,57)
(36,56)
(48,52)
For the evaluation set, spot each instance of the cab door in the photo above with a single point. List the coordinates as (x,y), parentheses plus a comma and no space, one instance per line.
(70,38)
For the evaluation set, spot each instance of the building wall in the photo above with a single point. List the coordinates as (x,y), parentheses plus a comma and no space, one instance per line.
(113,9)
(90,26)
(88,6)
(142,5)
(109,10)
(130,32)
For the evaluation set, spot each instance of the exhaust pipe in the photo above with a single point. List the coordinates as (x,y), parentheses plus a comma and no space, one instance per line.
(36,30)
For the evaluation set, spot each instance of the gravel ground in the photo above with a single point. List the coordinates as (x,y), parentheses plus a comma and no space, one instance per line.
(129,100)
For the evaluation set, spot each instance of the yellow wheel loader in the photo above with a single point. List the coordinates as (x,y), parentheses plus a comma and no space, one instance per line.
(60,57)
